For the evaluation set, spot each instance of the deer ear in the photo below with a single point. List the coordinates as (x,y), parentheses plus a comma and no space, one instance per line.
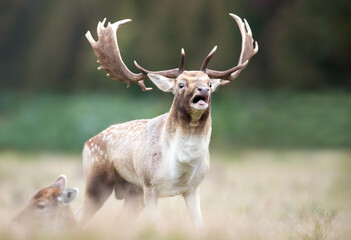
(60,182)
(163,83)
(68,195)
(218,82)
(215,83)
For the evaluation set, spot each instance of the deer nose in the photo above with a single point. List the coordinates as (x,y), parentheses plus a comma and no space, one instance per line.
(203,89)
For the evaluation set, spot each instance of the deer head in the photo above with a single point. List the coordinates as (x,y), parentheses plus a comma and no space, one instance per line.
(192,89)
(49,207)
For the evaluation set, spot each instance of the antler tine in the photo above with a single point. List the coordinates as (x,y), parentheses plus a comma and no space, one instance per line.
(247,52)
(107,51)
(171,73)
(182,60)
(207,59)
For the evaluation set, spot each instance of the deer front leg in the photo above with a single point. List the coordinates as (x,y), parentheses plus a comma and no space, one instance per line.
(151,203)
(192,200)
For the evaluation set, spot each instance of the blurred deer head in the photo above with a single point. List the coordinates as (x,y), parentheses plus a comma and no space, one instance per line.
(49,208)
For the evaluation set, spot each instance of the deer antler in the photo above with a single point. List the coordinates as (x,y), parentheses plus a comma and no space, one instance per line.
(108,54)
(107,51)
(171,73)
(247,52)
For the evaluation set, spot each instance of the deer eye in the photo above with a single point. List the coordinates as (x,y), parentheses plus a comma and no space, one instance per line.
(210,84)
(40,206)
(181,85)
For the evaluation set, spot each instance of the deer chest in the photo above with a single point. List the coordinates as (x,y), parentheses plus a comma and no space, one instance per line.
(186,163)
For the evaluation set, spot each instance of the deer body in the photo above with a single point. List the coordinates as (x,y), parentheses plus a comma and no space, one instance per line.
(162,157)
(143,153)
(168,155)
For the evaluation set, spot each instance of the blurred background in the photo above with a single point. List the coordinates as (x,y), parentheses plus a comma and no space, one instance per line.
(295,93)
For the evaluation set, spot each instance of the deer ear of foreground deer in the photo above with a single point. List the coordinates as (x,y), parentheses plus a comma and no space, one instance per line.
(107,51)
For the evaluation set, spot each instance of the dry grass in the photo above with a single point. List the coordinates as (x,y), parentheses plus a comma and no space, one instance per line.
(247,195)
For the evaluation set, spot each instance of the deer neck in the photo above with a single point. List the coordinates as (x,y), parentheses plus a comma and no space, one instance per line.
(182,118)
(66,218)
(185,141)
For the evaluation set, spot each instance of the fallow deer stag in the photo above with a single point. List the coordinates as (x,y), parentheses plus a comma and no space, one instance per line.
(168,155)
(49,208)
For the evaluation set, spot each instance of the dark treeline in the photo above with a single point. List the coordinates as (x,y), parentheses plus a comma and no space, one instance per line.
(304,45)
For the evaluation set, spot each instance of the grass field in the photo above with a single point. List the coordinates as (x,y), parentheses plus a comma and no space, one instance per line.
(247,195)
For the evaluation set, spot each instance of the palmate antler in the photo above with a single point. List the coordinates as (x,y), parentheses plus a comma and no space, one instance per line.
(247,52)
(107,51)
(108,54)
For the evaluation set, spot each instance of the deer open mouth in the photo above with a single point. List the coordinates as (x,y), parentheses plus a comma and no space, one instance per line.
(200,101)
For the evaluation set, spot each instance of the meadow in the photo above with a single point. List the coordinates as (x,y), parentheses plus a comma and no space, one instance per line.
(251,194)
(280,163)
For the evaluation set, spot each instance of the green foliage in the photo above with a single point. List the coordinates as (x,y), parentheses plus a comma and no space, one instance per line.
(283,119)
(245,119)
(65,122)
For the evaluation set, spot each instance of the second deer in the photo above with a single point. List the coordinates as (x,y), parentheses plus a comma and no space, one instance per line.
(49,208)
